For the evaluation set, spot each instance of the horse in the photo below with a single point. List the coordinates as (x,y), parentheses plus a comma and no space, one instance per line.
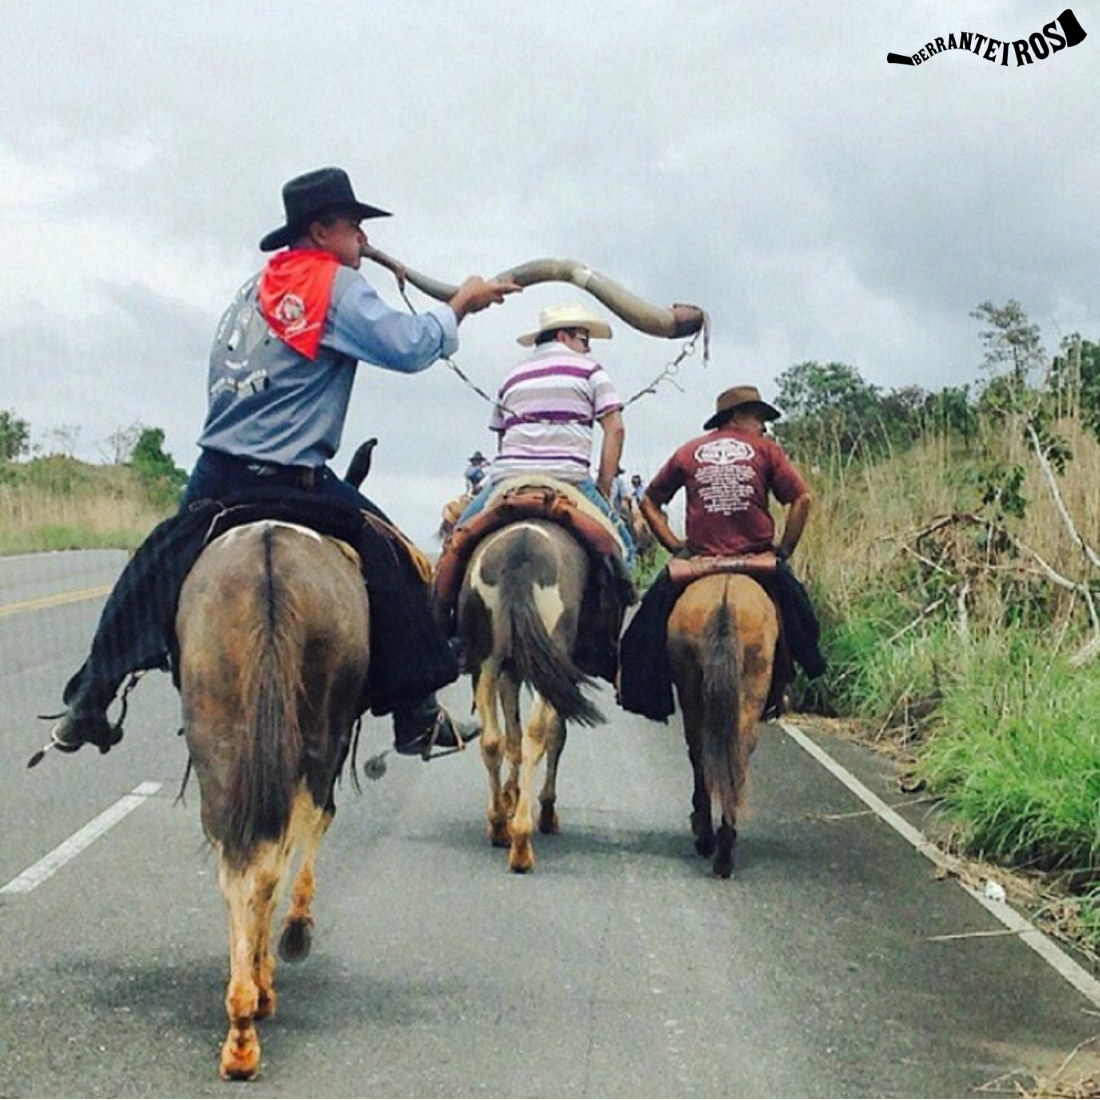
(450,515)
(273,632)
(644,541)
(722,634)
(518,611)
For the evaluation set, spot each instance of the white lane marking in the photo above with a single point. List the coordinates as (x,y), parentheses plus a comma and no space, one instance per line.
(1041,944)
(51,863)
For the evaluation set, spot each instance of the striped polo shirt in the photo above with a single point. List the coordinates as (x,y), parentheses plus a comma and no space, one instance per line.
(545,411)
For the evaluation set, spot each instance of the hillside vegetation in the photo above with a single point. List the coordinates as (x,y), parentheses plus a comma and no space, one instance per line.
(59,503)
(953,558)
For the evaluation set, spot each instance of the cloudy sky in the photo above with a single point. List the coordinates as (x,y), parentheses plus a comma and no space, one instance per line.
(762,161)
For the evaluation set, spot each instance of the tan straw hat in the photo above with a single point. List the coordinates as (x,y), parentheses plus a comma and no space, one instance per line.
(577,316)
(735,398)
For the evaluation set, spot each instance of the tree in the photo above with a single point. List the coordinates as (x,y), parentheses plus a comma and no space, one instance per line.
(65,438)
(160,475)
(1011,341)
(15,435)
(122,442)
(831,409)
(950,411)
(1075,380)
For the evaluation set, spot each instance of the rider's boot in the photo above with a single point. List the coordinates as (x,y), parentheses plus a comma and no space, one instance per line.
(85,723)
(421,725)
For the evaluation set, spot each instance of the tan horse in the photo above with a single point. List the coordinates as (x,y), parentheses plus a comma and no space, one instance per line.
(449,516)
(722,634)
(273,636)
(518,611)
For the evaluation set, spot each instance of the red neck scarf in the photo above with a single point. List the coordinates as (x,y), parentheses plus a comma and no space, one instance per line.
(295,290)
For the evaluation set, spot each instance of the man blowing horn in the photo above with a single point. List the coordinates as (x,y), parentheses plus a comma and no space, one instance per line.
(281,372)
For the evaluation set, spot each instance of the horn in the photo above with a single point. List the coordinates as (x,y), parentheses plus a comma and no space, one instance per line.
(673,322)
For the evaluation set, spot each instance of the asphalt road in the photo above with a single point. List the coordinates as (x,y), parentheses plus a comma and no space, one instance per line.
(836,962)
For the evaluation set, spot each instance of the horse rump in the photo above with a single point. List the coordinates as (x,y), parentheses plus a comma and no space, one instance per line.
(534,657)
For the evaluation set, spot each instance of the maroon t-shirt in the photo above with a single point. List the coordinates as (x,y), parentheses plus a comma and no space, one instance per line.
(727,475)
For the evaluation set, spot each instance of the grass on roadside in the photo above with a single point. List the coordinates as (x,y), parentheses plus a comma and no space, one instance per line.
(1017,758)
(59,503)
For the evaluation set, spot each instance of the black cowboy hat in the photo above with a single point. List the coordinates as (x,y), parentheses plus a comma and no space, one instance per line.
(738,397)
(477,456)
(304,197)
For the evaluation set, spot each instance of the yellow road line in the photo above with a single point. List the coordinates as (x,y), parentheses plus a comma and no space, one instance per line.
(56,600)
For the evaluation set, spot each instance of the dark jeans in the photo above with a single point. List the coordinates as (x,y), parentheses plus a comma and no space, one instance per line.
(218,476)
(409,655)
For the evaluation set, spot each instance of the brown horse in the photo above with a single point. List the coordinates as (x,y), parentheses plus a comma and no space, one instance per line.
(644,541)
(273,636)
(722,634)
(518,613)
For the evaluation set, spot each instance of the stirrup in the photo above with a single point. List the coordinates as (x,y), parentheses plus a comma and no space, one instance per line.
(442,719)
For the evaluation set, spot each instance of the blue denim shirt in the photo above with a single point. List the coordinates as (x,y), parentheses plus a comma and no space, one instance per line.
(270,403)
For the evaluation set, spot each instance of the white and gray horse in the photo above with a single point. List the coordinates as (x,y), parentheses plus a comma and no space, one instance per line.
(518,614)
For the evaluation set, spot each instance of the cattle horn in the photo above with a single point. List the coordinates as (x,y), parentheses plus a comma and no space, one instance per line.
(676,321)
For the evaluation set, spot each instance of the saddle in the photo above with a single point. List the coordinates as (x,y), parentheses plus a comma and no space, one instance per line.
(516,499)
(610,588)
(682,571)
(452,510)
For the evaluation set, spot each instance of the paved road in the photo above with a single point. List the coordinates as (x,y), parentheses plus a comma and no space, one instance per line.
(619,968)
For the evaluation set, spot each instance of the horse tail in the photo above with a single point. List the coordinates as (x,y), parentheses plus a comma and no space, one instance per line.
(268,764)
(723,765)
(536,659)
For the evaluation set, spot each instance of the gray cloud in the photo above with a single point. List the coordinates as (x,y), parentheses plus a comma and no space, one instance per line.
(762,161)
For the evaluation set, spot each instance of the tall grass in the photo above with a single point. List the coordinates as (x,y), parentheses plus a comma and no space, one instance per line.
(865,515)
(1019,760)
(58,503)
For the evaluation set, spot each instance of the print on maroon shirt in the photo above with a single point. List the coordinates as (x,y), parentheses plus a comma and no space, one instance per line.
(727,476)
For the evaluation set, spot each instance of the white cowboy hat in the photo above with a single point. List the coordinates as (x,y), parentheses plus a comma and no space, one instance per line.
(577,316)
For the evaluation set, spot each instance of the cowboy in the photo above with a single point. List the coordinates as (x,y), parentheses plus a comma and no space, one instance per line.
(728,476)
(544,417)
(619,498)
(282,368)
(476,469)
(637,489)
(546,408)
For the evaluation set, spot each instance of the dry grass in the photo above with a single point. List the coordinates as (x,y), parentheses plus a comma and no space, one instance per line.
(863,514)
(65,505)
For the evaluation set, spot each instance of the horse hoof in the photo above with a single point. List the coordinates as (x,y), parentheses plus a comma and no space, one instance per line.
(522,859)
(499,834)
(704,845)
(232,1072)
(240,1061)
(296,941)
(549,825)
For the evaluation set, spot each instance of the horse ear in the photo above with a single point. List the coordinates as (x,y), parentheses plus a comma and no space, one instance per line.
(359,466)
